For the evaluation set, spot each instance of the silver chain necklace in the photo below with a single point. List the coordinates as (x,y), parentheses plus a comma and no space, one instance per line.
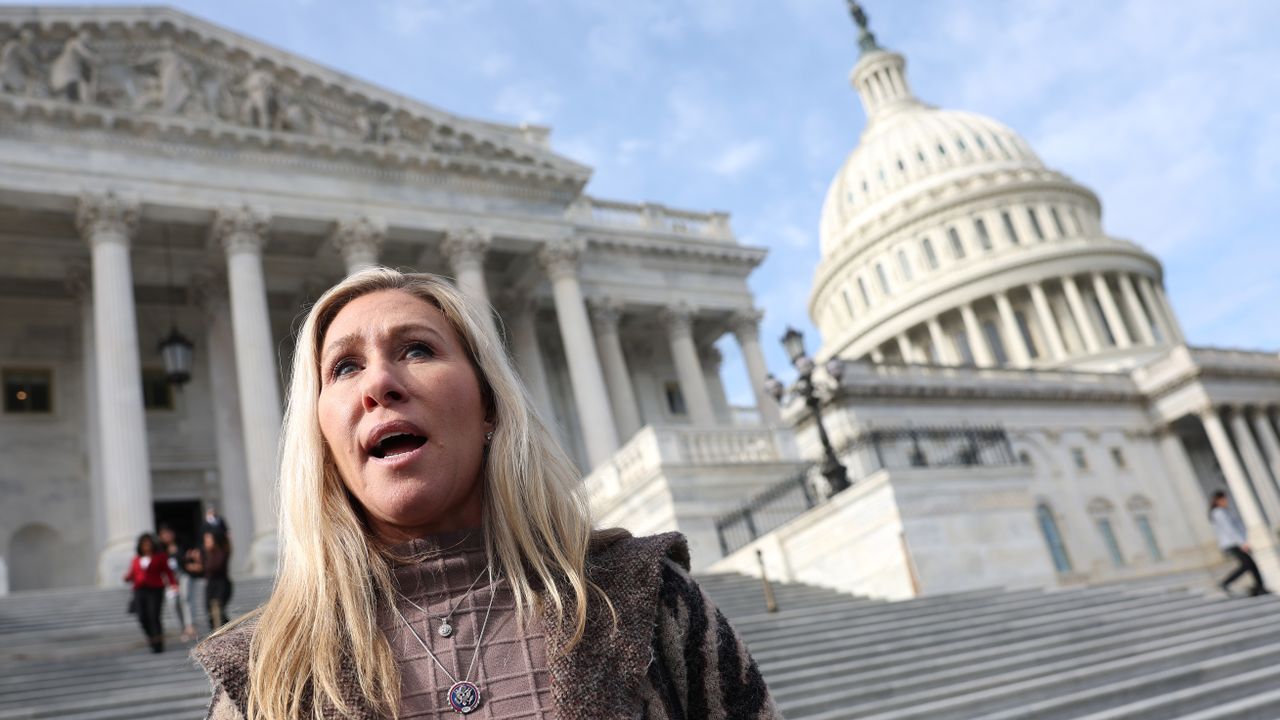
(464,695)
(446,629)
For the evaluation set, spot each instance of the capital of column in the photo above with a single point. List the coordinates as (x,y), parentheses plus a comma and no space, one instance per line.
(605,314)
(466,245)
(678,317)
(363,235)
(745,323)
(560,257)
(711,358)
(240,229)
(106,217)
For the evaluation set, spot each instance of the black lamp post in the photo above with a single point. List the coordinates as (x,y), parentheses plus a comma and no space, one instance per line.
(835,473)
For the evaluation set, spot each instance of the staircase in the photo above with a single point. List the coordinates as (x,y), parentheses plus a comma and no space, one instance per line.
(1172,647)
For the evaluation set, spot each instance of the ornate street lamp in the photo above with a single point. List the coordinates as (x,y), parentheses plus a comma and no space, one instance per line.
(793,341)
(176,349)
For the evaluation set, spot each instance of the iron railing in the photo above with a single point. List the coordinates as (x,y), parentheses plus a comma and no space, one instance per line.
(879,449)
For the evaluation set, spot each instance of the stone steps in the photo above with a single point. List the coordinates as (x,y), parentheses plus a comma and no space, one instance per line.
(1162,647)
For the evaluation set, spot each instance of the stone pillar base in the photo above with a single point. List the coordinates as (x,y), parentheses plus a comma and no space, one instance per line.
(114,562)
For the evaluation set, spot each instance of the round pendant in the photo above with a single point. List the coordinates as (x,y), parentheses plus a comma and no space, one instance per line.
(464,696)
(445,629)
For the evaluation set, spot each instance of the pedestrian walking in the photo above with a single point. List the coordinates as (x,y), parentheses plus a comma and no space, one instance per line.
(182,605)
(1232,540)
(149,574)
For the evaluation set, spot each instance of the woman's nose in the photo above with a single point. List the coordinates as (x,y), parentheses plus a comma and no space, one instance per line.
(382,385)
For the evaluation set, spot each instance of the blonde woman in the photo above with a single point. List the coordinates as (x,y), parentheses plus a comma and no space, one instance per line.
(436,552)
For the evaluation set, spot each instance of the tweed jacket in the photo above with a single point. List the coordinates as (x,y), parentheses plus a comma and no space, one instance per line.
(672,656)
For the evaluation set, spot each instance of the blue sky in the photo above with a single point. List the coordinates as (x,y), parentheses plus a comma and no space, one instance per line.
(1169,110)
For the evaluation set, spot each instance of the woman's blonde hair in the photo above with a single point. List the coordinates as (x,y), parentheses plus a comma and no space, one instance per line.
(333,574)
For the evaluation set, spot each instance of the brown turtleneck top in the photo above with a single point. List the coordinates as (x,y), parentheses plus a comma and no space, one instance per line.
(511,670)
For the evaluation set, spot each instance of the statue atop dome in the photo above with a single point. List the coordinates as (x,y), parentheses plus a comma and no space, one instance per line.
(866,40)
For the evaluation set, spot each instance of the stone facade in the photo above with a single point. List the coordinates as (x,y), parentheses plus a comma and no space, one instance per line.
(159,170)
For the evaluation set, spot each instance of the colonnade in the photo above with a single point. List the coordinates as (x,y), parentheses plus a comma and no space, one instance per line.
(244,372)
(1246,445)
(1043,322)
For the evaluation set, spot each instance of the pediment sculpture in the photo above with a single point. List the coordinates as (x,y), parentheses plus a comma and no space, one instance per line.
(159,71)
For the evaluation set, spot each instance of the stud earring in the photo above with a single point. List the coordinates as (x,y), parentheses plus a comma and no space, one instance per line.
(488,437)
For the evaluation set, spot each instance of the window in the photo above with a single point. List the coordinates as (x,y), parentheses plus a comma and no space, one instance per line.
(960,144)
(1079,459)
(884,279)
(984,238)
(675,399)
(1025,330)
(1004,150)
(1149,537)
(157,393)
(920,155)
(1009,229)
(28,391)
(901,166)
(992,334)
(1117,457)
(929,255)
(848,304)
(978,140)
(904,264)
(1057,222)
(957,247)
(941,150)
(1053,538)
(862,289)
(1035,224)
(1108,534)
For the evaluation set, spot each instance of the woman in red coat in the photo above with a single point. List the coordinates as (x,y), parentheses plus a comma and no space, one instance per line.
(149,573)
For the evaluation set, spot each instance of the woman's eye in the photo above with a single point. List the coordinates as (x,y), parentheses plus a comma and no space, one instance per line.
(342,367)
(418,350)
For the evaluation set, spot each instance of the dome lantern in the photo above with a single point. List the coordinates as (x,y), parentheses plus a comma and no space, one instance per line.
(880,77)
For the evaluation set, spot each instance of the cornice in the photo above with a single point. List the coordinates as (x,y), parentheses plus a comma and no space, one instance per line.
(647,245)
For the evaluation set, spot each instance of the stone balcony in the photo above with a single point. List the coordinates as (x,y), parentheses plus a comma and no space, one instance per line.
(683,478)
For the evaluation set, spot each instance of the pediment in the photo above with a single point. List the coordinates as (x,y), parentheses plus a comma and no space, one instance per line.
(156,70)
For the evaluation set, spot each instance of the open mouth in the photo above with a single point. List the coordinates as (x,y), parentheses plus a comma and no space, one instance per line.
(397,444)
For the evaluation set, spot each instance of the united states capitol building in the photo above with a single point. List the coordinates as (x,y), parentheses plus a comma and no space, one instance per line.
(1007,384)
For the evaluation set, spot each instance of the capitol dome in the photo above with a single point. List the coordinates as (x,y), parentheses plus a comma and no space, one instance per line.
(946,240)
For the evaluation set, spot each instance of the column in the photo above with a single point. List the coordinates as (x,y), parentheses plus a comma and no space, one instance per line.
(605,314)
(1081,315)
(746,328)
(107,222)
(710,359)
(359,241)
(1258,472)
(905,348)
(1235,476)
(1270,442)
(560,260)
(1171,318)
(946,354)
(236,500)
(1118,329)
(466,249)
(679,321)
(977,343)
(1190,495)
(522,312)
(1016,344)
(80,284)
(242,233)
(1136,312)
(1044,312)
(877,356)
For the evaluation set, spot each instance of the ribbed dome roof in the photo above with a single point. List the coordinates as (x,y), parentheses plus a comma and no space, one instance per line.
(906,149)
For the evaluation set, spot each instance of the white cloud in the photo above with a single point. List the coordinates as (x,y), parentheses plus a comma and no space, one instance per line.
(739,157)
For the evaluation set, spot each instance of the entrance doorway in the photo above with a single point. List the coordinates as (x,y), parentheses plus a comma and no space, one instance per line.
(183,516)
